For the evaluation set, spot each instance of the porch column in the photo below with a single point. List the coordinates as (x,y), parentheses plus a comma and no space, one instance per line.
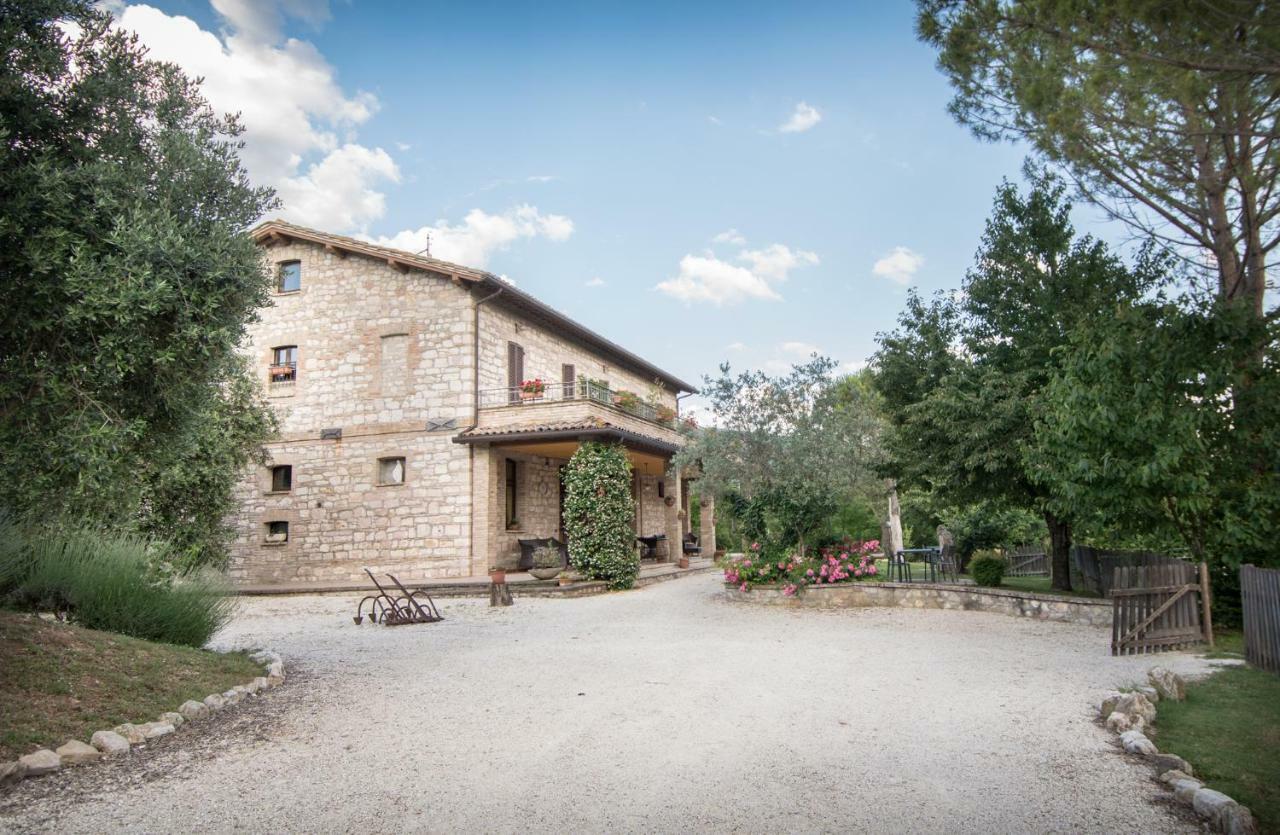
(485,509)
(674,525)
(707,528)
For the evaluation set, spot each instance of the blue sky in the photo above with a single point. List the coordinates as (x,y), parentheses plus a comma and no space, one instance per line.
(699,182)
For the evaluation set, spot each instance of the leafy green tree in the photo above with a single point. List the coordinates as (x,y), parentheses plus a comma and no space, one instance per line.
(1142,428)
(128,280)
(599,514)
(791,449)
(963,377)
(1164,113)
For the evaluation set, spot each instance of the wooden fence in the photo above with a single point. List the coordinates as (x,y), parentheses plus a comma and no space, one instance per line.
(1027,561)
(1155,607)
(1096,566)
(1260,594)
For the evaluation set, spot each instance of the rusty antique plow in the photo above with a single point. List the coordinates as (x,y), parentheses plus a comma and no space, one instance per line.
(396,607)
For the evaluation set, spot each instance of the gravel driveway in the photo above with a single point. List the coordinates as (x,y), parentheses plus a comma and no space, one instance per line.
(667,708)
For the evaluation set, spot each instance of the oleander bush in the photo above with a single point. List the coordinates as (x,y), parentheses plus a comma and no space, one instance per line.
(987,570)
(794,573)
(598,514)
(108,581)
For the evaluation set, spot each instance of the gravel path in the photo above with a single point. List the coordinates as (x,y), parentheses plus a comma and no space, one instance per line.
(667,708)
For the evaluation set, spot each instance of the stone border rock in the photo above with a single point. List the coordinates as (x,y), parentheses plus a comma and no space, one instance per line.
(120,739)
(1086,611)
(1129,714)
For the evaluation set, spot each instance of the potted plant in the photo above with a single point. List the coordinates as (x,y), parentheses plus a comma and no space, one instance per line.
(664,414)
(566,579)
(546,562)
(684,561)
(497,575)
(532,389)
(626,400)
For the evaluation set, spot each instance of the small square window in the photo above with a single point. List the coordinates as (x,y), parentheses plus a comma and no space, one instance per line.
(391,471)
(277,532)
(282,478)
(289,277)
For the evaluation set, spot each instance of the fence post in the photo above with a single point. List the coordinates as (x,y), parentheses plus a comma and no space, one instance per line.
(1206,603)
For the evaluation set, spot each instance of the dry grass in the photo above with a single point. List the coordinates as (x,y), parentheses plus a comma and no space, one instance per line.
(60,682)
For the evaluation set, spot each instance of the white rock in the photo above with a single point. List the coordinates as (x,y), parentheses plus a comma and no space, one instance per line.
(232,697)
(1136,742)
(1238,820)
(191,709)
(275,681)
(1186,788)
(75,752)
(1109,703)
(261,683)
(12,772)
(1211,805)
(1167,762)
(172,717)
(275,668)
(1167,683)
(1172,775)
(1119,722)
(41,762)
(1137,705)
(215,701)
(110,743)
(131,732)
(151,730)
(1152,694)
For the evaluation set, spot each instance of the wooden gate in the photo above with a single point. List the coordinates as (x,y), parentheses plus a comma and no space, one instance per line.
(1027,561)
(1260,594)
(1154,607)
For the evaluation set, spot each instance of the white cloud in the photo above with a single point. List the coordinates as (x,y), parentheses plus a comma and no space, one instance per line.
(481,234)
(707,278)
(729,236)
(299,123)
(774,262)
(737,346)
(540,178)
(804,117)
(851,366)
(801,349)
(595,282)
(715,120)
(712,279)
(900,265)
(403,146)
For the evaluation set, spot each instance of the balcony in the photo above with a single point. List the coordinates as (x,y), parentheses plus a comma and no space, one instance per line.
(559,402)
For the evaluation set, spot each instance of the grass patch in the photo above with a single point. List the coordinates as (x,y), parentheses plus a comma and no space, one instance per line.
(1229,730)
(60,682)
(1040,585)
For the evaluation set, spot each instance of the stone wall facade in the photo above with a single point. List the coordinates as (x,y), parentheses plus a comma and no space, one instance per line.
(1085,611)
(385,370)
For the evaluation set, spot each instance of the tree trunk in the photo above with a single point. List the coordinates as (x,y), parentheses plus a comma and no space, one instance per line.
(1060,551)
(895,518)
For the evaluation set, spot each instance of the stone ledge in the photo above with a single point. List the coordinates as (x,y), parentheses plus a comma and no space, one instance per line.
(1082,610)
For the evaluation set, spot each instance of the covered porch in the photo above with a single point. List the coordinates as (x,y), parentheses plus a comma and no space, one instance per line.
(517,490)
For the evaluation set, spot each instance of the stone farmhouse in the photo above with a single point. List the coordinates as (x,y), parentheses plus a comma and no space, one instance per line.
(426,410)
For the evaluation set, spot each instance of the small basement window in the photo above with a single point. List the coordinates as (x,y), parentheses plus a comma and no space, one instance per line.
(282,478)
(391,471)
(289,277)
(277,533)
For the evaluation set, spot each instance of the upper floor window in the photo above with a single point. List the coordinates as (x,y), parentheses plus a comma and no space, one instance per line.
(284,364)
(515,371)
(281,478)
(289,277)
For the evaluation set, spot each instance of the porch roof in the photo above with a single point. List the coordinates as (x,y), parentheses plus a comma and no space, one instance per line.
(589,429)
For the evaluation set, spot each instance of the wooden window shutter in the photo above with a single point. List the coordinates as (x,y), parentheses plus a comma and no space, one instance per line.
(515,370)
(568,378)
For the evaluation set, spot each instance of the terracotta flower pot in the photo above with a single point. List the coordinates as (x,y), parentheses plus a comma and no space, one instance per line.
(497,575)
(566,580)
(684,562)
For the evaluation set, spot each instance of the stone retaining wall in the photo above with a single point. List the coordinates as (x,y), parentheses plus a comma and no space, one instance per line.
(1087,611)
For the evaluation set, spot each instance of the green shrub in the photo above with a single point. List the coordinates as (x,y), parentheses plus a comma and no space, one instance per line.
(105,581)
(599,513)
(987,570)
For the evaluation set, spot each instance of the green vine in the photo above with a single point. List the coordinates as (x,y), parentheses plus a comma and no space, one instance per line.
(598,514)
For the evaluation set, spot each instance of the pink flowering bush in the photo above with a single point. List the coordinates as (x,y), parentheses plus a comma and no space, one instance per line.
(793,573)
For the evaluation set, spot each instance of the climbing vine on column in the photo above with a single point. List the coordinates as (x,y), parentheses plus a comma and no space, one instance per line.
(599,514)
